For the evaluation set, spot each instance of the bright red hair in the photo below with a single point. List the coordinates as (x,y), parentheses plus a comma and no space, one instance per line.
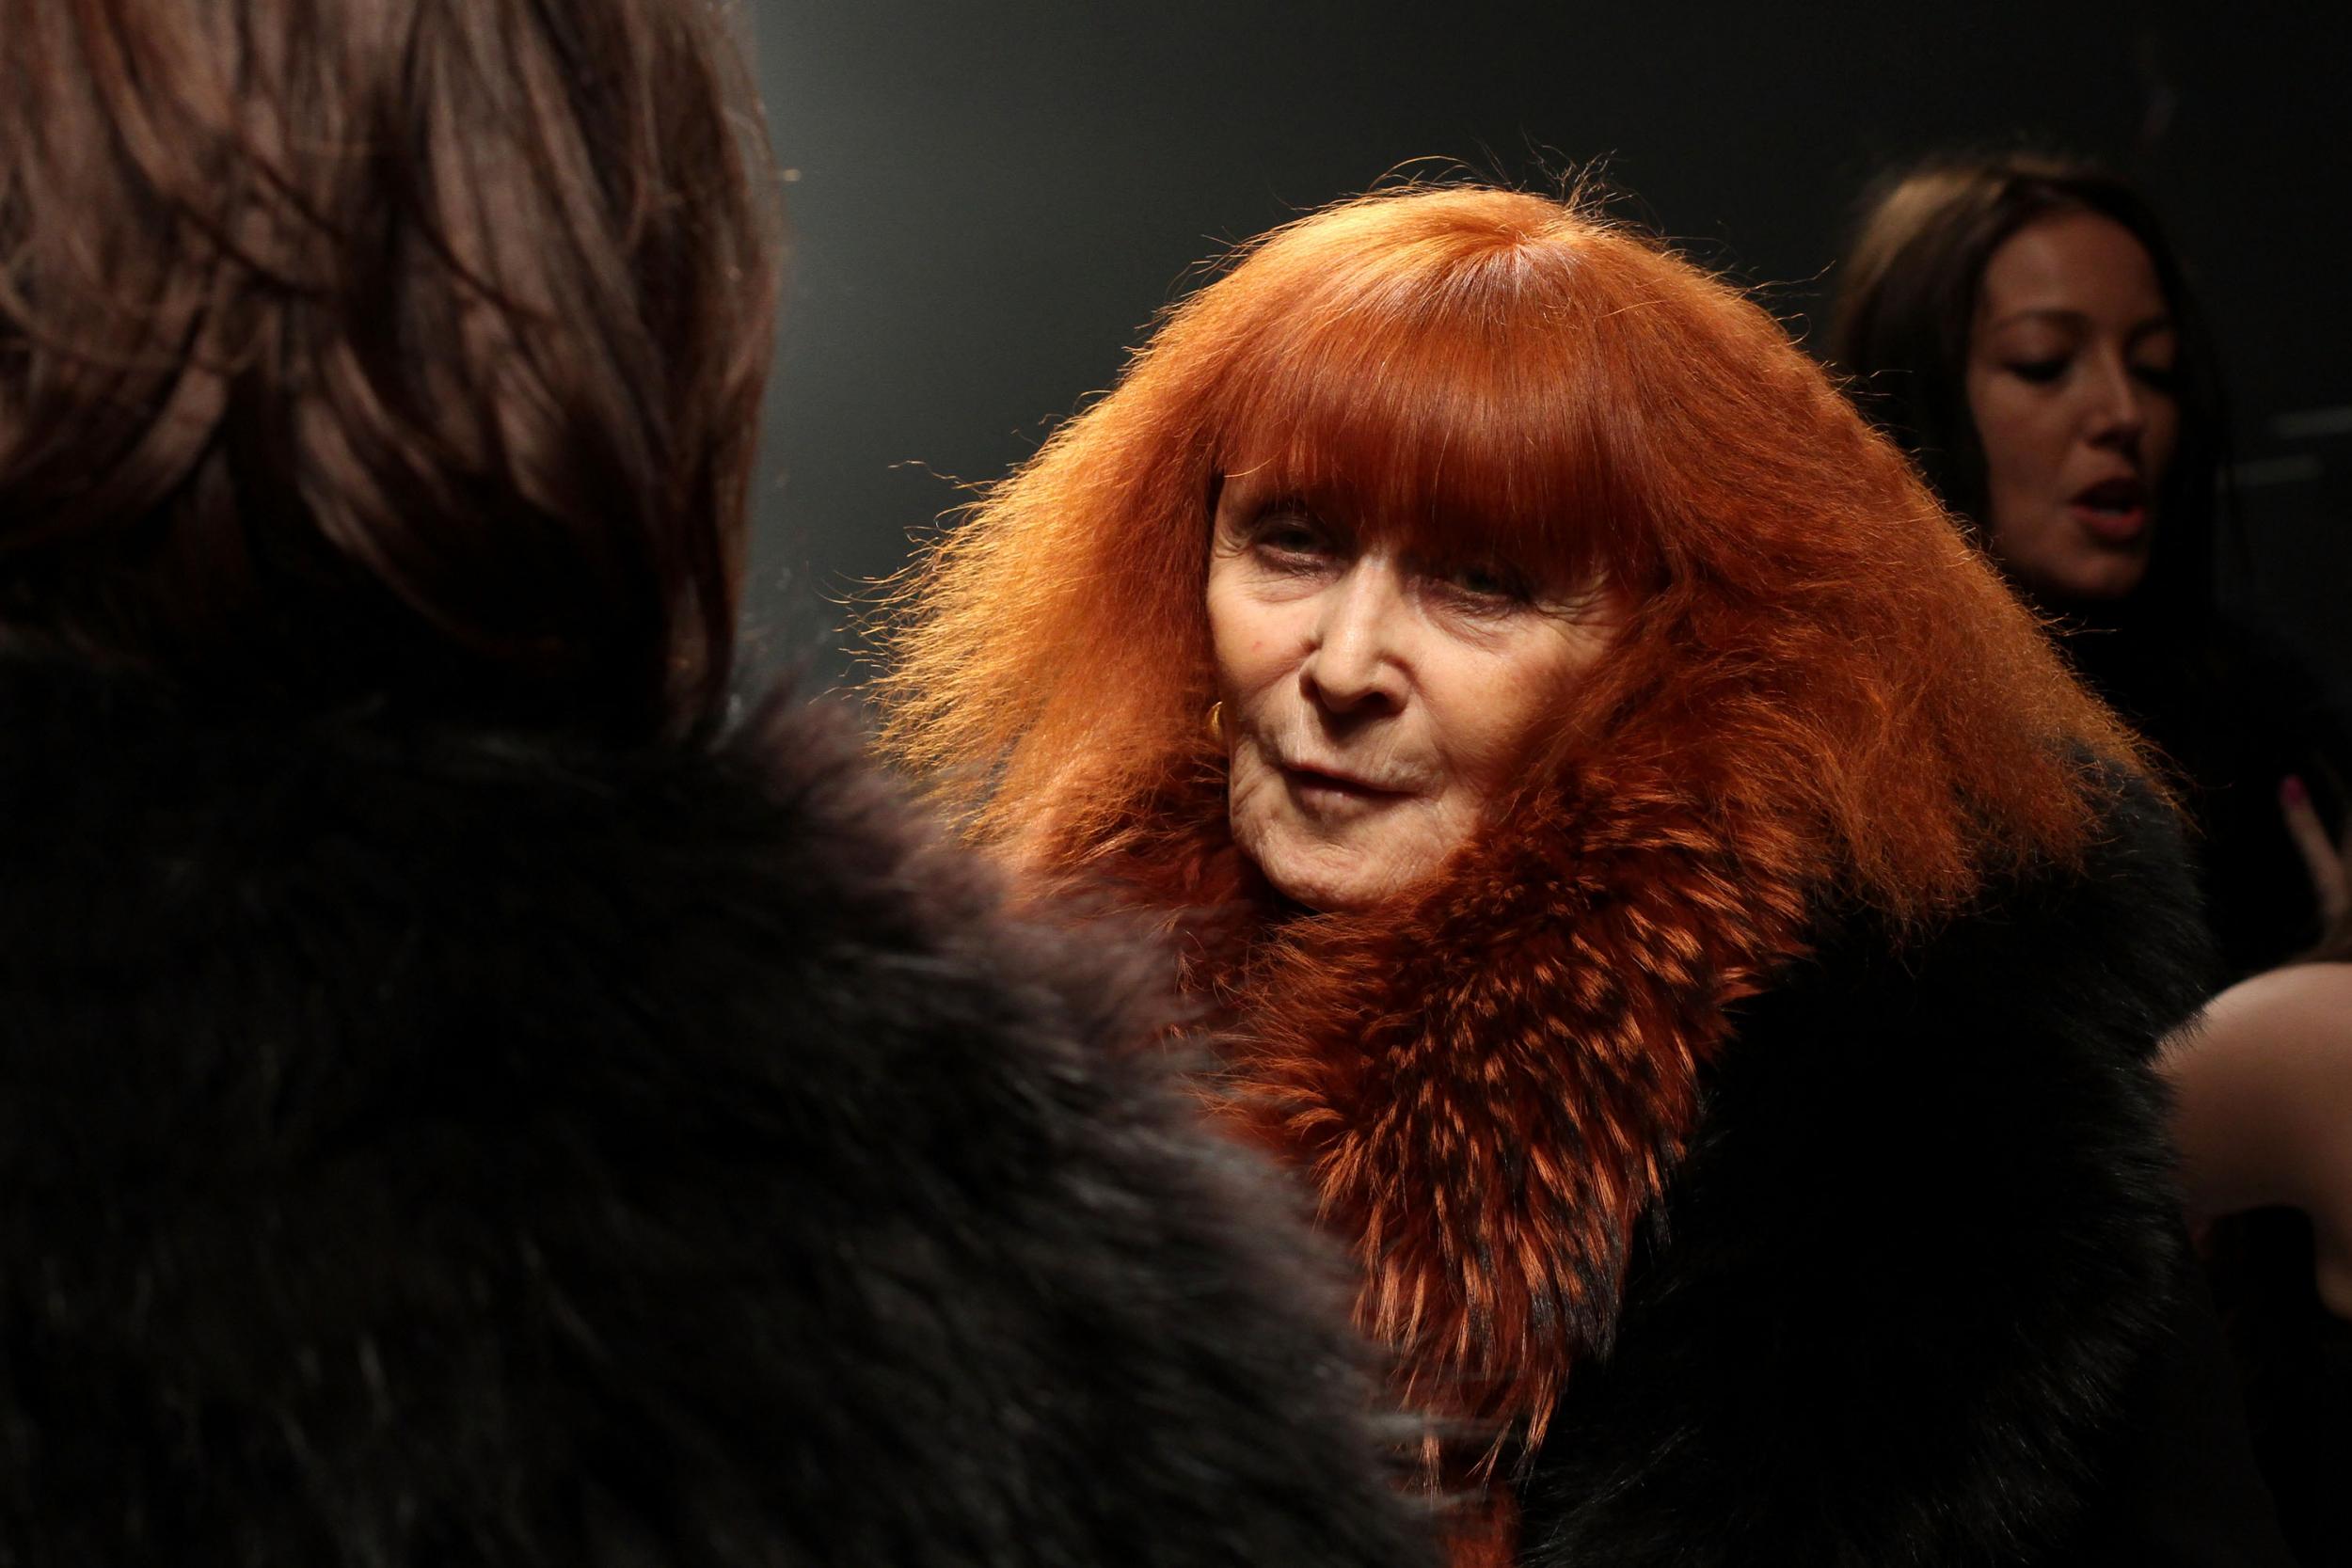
(1812,643)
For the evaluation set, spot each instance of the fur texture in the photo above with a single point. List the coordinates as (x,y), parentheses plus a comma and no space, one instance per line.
(443,1148)
(1922,1238)
(1734,1227)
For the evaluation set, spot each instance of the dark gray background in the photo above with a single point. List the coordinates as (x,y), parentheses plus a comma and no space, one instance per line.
(989,200)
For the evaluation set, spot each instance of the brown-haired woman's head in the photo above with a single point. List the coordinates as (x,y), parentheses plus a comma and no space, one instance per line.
(1440,452)
(2023,327)
(390,349)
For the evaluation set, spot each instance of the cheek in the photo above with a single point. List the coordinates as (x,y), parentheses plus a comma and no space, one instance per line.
(1489,738)
(2006,432)
(2021,465)
(1235,635)
(2162,439)
(1490,717)
(1251,644)
(1251,794)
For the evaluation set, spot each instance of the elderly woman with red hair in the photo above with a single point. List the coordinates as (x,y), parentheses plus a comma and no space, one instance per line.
(1649,878)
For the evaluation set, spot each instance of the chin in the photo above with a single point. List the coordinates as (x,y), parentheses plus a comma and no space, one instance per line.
(2080,575)
(2100,582)
(1318,888)
(1327,879)
(1344,873)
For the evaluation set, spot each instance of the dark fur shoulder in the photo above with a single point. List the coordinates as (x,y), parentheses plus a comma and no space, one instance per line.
(445,1148)
(1924,1236)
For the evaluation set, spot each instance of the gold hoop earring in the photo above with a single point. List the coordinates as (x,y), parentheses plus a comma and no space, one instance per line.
(1214,722)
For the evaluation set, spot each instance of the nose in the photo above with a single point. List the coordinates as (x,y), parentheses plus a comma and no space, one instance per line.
(2118,409)
(1354,667)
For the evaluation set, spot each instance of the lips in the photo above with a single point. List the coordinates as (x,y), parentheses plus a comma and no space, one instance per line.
(2114,510)
(1309,776)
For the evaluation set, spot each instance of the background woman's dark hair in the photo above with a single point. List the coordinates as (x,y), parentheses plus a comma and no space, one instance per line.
(395,348)
(1905,310)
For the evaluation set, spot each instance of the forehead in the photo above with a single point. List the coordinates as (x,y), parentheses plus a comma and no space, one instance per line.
(2072,264)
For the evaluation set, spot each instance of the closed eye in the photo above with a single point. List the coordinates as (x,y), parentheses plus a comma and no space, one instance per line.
(1487,580)
(1291,533)
(1484,587)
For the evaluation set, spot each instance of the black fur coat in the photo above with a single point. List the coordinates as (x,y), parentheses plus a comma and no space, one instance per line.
(1918,1292)
(429,1149)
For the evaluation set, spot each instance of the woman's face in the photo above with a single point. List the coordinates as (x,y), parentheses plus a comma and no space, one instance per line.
(2070,383)
(1375,705)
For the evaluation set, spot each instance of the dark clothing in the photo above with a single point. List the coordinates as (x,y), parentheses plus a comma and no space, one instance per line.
(2233,716)
(461,1149)
(2184,1489)
(2296,1356)
(2236,714)
(1918,1292)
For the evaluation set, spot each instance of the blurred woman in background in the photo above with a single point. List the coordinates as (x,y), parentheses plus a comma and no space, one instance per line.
(2023,327)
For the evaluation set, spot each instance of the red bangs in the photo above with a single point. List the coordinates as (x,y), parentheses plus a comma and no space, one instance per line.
(1462,408)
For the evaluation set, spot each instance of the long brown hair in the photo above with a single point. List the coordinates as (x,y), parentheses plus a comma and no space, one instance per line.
(1814,646)
(405,349)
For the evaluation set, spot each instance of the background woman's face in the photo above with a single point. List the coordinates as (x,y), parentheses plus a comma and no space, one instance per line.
(2070,383)
(1375,705)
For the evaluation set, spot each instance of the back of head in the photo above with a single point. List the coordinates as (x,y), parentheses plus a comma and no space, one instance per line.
(382,349)
(1907,294)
